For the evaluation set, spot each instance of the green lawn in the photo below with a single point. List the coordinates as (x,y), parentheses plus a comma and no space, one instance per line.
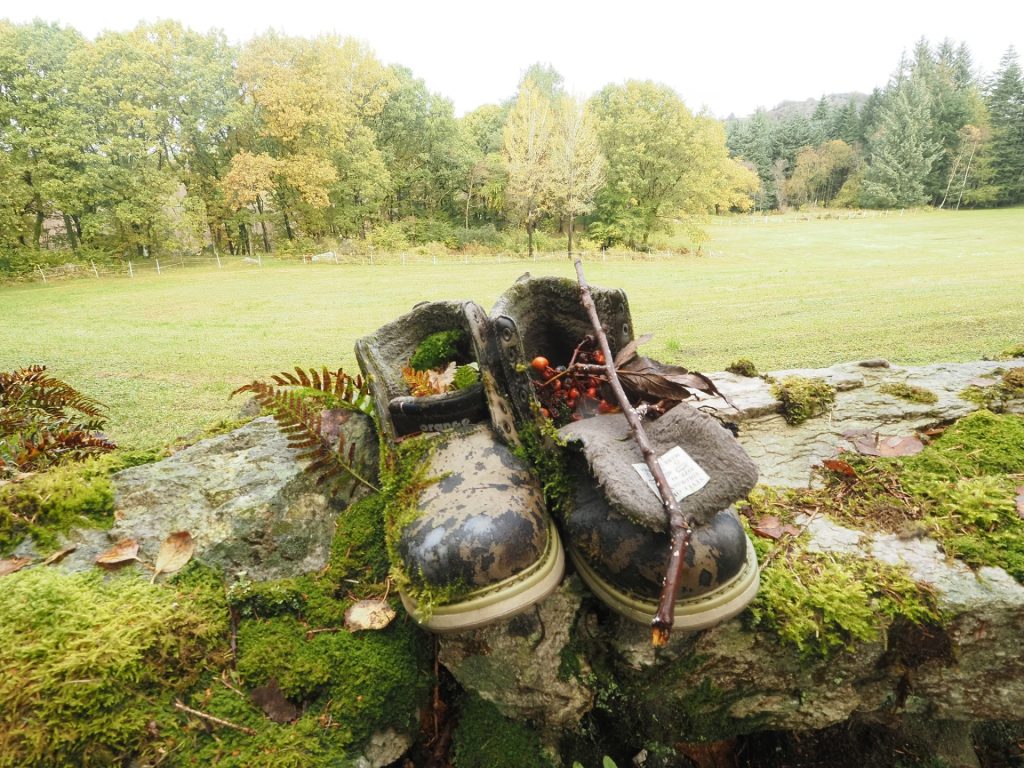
(164,351)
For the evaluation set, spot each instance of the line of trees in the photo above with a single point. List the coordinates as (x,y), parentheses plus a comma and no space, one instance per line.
(937,134)
(162,139)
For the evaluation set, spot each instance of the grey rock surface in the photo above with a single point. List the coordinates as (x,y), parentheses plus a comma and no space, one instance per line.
(244,498)
(516,663)
(785,454)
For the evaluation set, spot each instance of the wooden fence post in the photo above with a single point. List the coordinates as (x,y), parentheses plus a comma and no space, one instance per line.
(131,272)
(158,266)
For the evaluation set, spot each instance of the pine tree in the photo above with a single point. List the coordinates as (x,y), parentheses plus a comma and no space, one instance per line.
(901,151)
(1006,106)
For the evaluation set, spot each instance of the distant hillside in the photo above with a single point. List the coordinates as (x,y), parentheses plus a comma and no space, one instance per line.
(806,107)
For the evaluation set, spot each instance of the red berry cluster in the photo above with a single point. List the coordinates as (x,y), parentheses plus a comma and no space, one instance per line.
(568,393)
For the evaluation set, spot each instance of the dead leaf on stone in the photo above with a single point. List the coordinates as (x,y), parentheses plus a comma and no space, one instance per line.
(770,527)
(981,382)
(441,381)
(368,614)
(119,554)
(1020,502)
(14,564)
(60,554)
(272,701)
(175,552)
(839,467)
(876,445)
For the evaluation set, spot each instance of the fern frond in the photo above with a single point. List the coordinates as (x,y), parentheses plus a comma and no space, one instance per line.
(40,420)
(303,425)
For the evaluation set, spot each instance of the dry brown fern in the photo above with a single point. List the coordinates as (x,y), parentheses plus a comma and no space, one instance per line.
(45,421)
(299,402)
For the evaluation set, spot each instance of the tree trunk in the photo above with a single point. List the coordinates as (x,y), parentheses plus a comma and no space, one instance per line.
(243,239)
(529,238)
(70,230)
(78,226)
(263,225)
(572,221)
(287,225)
(37,230)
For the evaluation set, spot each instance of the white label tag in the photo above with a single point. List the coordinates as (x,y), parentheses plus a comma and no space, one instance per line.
(685,476)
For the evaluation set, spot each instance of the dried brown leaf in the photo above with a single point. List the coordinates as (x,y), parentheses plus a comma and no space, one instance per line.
(651,380)
(60,554)
(628,352)
(174,553)
(119,554)
(271,699)
(14,564)
(442,380)
(876,445)
(368,614)
(839,467)
(770,527)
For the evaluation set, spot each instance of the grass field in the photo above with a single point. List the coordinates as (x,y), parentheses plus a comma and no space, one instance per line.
(163,352)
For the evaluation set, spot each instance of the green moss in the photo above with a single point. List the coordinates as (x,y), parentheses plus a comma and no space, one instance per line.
(823,602)
(484,739)
(465,376)
(437,350)
(541,447)
(743,367)
(959,490)
(909,392)
(999,395)
(359,550)
(803,398)
(89,663)
(50,503)
(366,680)
(983,443)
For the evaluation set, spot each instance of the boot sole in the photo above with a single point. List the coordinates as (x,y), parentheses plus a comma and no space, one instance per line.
(499,601)
(691,614)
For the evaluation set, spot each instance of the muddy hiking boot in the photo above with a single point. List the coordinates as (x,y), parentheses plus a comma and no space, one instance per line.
(615,528)
(478,546)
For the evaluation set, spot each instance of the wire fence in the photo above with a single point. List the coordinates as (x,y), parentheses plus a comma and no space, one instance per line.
(426,255)
(411,258)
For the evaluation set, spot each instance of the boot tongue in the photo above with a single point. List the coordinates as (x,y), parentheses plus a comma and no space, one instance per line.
(611,452)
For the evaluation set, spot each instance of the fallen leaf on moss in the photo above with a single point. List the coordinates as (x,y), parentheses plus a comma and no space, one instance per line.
(119,554)
(876,445)
(1020,502)
(770,527)
(175,552)
(368,614)
(14,564)
(60,554)
(839,467)
(272,701)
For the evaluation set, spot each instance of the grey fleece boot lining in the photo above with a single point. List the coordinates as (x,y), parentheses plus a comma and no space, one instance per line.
(611,451)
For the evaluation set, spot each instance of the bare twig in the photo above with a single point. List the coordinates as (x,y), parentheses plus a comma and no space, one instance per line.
(680,526)
(215,720)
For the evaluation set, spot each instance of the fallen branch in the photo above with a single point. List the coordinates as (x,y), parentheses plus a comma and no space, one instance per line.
(680,526)
(216,720)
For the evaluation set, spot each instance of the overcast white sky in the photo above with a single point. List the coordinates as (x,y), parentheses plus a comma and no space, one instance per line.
(730,57)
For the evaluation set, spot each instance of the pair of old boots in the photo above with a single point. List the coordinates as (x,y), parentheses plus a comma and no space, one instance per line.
(480,545)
